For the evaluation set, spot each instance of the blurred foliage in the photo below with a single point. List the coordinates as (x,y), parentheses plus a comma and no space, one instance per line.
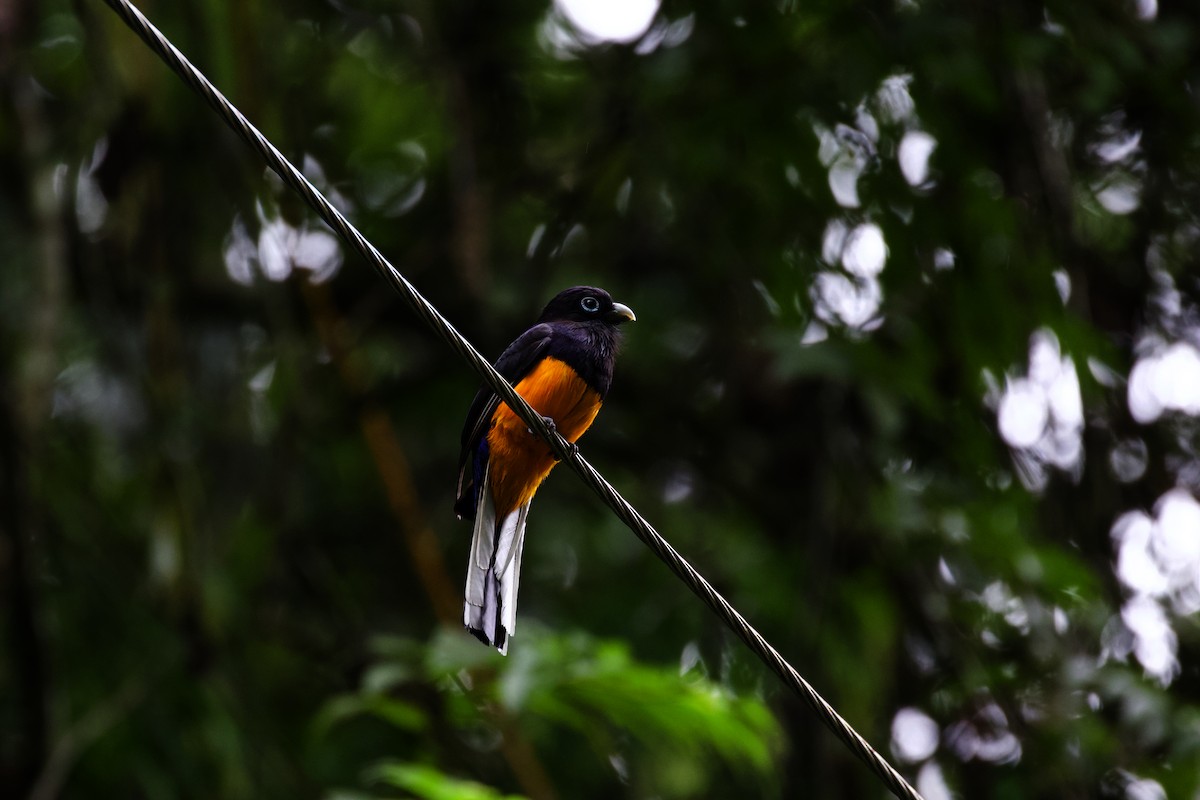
(914,382)
(658,729)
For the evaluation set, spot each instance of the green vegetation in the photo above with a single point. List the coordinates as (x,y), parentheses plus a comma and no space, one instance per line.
(915,382)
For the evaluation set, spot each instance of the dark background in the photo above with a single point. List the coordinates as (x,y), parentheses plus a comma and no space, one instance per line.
(894,414)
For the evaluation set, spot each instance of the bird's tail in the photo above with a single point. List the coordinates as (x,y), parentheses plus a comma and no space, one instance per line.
(494,571)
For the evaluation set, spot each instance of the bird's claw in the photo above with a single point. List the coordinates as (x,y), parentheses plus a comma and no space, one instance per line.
(572,448)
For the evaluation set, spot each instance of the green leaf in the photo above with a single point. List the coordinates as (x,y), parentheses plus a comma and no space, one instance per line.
(347,706)
(430,784)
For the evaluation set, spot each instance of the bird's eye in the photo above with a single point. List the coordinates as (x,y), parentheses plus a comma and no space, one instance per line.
(590,304)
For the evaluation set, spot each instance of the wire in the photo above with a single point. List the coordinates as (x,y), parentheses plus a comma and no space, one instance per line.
(565,452)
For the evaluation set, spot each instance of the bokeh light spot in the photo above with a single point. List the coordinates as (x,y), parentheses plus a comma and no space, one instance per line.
(1167,380)
(915,149)
(865,252)
(1023,413)
(610,20)
(914,735)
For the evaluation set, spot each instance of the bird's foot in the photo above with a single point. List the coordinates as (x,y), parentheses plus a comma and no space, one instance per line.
(571,447)
(574,448)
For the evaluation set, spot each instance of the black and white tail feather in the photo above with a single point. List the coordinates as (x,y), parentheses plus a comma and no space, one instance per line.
(494,572)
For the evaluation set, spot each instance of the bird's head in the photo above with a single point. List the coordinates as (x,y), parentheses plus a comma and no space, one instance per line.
(586,304)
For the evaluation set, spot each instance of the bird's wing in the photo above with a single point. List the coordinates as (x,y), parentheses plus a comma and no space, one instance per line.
(514,364)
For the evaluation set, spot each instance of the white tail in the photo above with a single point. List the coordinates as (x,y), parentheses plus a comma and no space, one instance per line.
(494,572)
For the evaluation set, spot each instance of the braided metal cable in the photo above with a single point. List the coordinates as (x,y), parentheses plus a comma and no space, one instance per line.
(565,451)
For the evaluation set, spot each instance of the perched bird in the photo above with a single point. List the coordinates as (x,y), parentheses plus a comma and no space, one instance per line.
(562,366)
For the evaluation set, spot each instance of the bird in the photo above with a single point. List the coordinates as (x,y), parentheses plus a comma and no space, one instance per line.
(563,367)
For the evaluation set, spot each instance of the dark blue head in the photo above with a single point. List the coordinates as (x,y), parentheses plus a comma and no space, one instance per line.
(586,304)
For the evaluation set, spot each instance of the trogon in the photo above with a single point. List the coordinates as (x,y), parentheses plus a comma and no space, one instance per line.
(563,367)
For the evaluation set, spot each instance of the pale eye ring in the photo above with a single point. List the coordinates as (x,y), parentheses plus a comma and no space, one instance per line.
(590,304)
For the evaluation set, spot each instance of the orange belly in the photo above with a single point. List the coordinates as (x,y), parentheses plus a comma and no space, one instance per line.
(519,460)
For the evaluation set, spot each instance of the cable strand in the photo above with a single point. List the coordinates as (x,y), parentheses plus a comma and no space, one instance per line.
(571,456)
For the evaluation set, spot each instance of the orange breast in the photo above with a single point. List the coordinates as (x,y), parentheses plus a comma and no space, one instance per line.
(520,460)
